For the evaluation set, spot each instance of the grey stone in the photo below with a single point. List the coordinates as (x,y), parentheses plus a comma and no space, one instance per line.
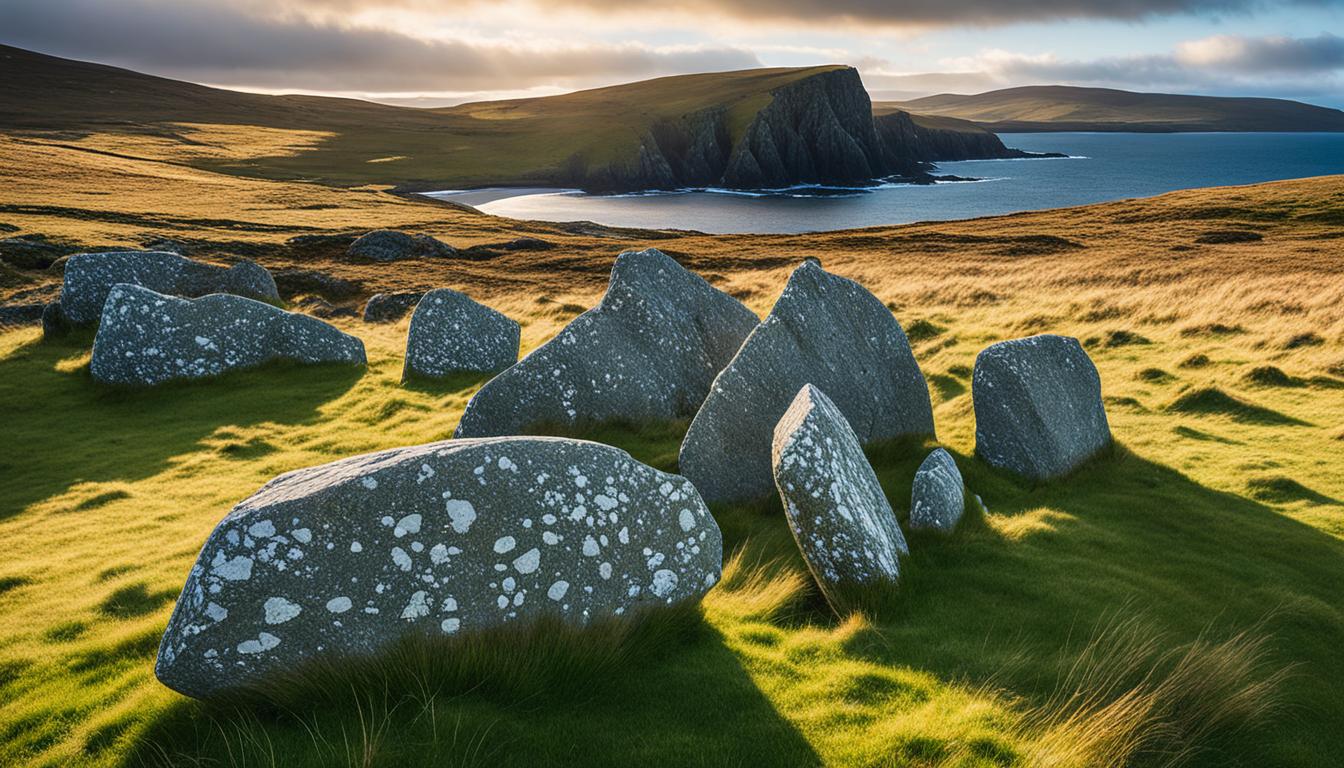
(938,498)
(21,314)
(1038,409)
(843,523)
(648,352)
(390,307)
(147,338)
(824,330)
(90,276)
(293,282)
(451,537)
(54,322)
(386,245)
(450,333)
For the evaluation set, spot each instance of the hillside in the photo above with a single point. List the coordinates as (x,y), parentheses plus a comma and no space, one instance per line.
(1221,355)
(753,128)
(1067,108)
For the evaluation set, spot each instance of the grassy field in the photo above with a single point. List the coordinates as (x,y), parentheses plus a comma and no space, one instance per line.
(1183,592)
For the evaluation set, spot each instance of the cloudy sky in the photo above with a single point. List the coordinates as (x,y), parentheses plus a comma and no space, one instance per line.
(448,51)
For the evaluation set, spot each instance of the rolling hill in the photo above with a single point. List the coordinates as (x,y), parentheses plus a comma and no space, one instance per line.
(752,128)
(1067,108)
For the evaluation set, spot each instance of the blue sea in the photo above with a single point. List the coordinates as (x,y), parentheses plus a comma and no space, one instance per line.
(1100,167)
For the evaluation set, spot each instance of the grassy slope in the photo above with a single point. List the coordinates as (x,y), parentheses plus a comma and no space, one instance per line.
(1064,108)
(1214,514)
(349,142)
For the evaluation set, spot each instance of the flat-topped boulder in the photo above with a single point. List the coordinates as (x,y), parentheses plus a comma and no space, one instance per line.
(385,245)
(824,330)
(843,523)
(89,278)
(450,334)
(454,537)
(147,338)
(1038,409)
(938,498)
(648,352)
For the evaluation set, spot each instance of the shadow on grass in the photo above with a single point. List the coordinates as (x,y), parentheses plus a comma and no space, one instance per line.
(124,434)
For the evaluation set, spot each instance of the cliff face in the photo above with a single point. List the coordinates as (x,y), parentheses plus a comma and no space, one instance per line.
(817,130)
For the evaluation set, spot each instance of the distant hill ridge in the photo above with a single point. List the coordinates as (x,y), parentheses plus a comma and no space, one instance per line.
(1068,108)
(747,129)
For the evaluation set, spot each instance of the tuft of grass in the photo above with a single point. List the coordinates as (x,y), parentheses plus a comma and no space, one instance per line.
(923,330)
(1211,329)
(1154,375)
(1278,489)
(1271,376)
(1123,338)
(135,600)
(1211,400)
(1198,360)
(1308,339)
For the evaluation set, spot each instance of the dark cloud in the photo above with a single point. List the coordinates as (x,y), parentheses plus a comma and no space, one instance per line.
(219,44)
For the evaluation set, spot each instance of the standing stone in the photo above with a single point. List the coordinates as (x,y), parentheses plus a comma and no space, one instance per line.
(450,333)
(839,516)
(937,499)
(824,330)
(386,245)
(648,352)
(147,338)
(390,307)
(89,277)
(1038,410)
(459,536)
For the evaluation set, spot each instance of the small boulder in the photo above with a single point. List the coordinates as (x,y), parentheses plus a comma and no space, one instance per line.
(390,307)
(385,245)
(450,333)
(937,499)
(147,338)
(346,558)
(1038,409)
(320,307)
(294,282)
(89,278)
(648,352)
(824,330)
(843,523)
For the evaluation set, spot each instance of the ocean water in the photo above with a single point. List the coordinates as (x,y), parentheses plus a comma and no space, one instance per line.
(1101,166)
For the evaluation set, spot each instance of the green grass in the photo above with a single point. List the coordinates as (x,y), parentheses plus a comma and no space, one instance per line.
(1211,537)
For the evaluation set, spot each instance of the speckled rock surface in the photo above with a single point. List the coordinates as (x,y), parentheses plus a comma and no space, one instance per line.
(345,558)
(1038,409)
(839,516)
(937,498)
(90,276)
(389,245)
(646,353)
(450,333)
(147,338)
(824,330)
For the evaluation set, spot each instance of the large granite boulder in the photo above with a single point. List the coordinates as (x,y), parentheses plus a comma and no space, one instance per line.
(452,537)
(824,330)
(938,498)
(1038,410)
(386,245)
(147,338)
(647,352)
(450,333)
(839,516)
(89,277)
(390,307)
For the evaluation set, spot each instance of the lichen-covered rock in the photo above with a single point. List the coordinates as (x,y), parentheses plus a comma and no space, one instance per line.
(450,333)
(452,537)
(1038,409)
(648,352)
(824,330)
(90,276)
(390,307)
(389,245)
(147,338)
(839,516)
(938,496)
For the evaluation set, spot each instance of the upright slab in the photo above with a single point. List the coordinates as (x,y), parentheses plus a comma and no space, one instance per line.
(450,333)
(648,352)
(844,526)
(452,537)
(938,494)
(147,338)
(824,330)
(1038,409)
(89,278)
